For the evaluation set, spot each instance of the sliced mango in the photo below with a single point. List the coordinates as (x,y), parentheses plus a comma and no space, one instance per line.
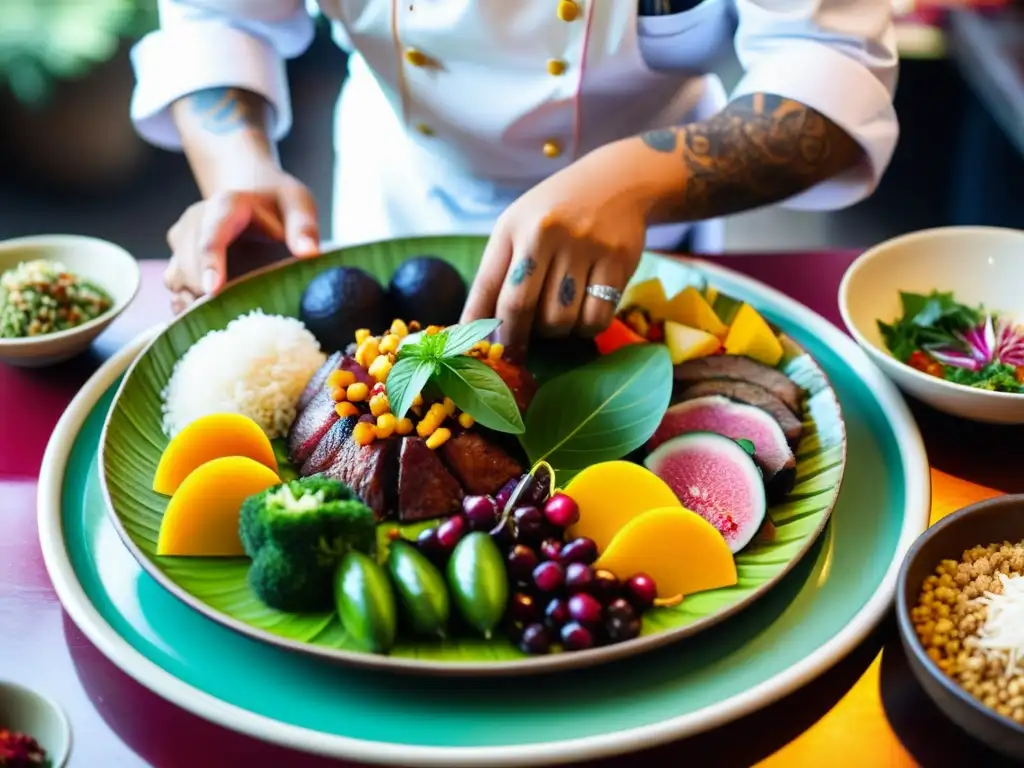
(751,336)
(612,493)
(647,294)
(201,518)
(679,549)
(207,438)
(685,343)
(710,295)
(690,308)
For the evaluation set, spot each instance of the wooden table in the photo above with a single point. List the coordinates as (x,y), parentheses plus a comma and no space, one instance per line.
(867,711)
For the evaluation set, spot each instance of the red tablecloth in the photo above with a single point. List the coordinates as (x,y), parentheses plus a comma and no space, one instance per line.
(117,722)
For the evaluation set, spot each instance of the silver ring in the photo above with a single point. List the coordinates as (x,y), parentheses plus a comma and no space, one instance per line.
(605,293)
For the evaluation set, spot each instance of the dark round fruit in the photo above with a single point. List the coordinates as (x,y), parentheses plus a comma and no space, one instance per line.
(523,608)
(501,497)
(605,586)
(429,290)
(618,629)
(339,301)
(548,577)
(521,562)
(641,591)
(529,523)
(580,550)
(535,640)
(585,609)
(620,608)
(556,613)
(550,548)
(450,532)
(561,511)
(578,577)
(480,511)
(576,637)
(503,537)
(429,544)
(536,489)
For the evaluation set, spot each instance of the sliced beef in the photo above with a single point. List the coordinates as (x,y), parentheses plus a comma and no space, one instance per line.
(425,488)
(751,394)
(519,381)
(319,380)
(330,445)
(371,471)
(310,426)
(482,467)
(736,368)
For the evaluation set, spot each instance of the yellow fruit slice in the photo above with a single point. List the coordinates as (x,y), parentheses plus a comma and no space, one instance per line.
(685,343)
(207,438)
(611,494)
(201,518)
(750,335)
(677,548)
(690,308)
(647,294)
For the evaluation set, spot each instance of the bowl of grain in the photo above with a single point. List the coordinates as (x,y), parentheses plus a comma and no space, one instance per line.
(960,609)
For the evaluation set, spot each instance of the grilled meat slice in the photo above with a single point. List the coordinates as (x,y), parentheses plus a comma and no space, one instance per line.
(482,467)
(370,471)
(519,381)
(319,380)
(310,426)
(736,368)
(330,445)
(750,394)
(425,488)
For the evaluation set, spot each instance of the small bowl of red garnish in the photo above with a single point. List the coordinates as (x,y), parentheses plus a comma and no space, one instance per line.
(941,312)
(34,731)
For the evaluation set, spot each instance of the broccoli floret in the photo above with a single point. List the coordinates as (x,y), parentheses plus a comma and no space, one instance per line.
(296,533)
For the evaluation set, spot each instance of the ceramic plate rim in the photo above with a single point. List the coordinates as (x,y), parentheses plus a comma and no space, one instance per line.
(123,655)
(430,668)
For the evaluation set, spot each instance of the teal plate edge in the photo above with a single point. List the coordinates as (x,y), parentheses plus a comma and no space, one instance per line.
(635,704)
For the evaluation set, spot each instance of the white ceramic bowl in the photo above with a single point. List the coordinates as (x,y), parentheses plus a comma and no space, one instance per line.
(980,265)
(26,711)
(107,265)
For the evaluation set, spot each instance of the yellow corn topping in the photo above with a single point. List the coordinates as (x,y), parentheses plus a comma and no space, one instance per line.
(483,347)
(380,368)
(344,410)
(438,438)
(357,392)
(338,394)
(466,420)
(433,329)
(386,424)
(404,426)
(425,428)
(496,351)
(364,433)
(362,335)
(340,379)
(449,407)
(367,351)
(389,344)
(399,328)
(379,405)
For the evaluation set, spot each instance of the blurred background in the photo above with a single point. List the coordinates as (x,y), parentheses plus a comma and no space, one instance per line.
(70,161)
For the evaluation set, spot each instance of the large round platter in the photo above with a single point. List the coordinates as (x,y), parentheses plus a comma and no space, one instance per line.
(218,587)
(828,604)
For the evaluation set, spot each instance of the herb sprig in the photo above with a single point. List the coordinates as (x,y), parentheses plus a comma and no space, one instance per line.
(439,360)
(927,319)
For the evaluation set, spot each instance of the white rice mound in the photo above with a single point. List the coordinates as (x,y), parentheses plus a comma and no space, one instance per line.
(257,366)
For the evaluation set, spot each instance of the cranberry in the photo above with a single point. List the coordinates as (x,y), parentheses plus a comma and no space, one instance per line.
(557,613)
(450,531)
(480,511)
(550,548)
(536,488)
(620,608)
(523,608)
(585,609)
(576,637)
(429,544)
(528,522)
(578,577)
(605,586)
(641,590)
(501,497)
(580,550)
(535,640)
(561,511)
(548,577)
(619,629)
(521,562)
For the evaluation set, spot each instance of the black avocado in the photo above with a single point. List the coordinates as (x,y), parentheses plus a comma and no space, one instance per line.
(427,289)
(338,302)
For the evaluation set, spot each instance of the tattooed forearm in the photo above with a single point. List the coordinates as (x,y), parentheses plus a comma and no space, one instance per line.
(759,150)
(224,110)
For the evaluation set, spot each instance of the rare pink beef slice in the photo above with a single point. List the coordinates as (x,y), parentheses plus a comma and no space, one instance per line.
(310,426)
(425,488)
(482,467)
(736,368)
(330,445)
(370,471)
(319,380)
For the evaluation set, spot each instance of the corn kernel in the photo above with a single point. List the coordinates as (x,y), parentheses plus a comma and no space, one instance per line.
(418,400)
(362,335)
(344,410)
(496,351)
(389,344)
(466,420)
(425,428)
(399,328)
(432,329)
(438,438)
(380,368)
(338,394)
(404,426)
(386,425)
(367,351)
(379,405)
(364,433)
(357,392)
(483,347)
(340,379)
(449,407)
(414,325)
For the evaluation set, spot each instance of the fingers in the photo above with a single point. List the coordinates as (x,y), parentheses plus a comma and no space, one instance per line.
(597,314)
(223,220)
(483,295)
(298,211)
(564,292)
(521,291)
(182,300)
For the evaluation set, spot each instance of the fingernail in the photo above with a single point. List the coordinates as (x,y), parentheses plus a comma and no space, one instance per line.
(209,281)
(306,246)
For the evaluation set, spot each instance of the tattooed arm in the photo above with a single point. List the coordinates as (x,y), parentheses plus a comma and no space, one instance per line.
(761,149)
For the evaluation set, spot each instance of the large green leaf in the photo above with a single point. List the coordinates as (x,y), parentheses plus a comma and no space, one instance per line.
(133,442)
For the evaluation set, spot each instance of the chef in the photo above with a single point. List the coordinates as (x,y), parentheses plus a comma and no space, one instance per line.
(572,132)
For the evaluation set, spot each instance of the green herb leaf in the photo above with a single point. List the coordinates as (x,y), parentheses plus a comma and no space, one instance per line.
(462,337)
(406,379)
(601,411)
(994,377)
(933,318)
(479,391)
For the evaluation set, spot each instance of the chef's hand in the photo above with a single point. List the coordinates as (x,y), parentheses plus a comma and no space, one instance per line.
(283,210)
(584,226)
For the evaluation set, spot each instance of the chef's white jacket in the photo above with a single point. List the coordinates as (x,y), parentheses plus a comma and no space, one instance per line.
(453,108)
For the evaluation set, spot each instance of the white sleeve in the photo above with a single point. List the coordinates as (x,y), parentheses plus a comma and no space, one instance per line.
(838,57)
(216,43)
